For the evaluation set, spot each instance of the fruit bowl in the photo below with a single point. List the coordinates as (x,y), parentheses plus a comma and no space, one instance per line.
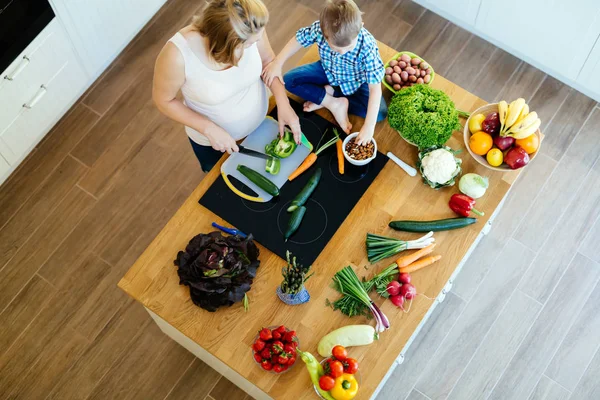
(356,376)
(485,110)
(412,55)
(253,352)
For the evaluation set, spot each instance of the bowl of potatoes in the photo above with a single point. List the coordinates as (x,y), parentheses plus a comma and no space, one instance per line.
(406,69)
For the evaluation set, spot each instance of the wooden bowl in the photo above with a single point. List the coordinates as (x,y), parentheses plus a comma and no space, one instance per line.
(485,110)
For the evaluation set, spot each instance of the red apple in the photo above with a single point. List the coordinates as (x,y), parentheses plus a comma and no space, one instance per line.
(516,158)
(503,142)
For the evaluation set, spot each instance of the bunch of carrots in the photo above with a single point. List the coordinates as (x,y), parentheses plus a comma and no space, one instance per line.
(312,157)
(417,260)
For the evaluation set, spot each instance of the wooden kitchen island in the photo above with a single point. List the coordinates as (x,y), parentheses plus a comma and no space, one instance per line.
(222,339)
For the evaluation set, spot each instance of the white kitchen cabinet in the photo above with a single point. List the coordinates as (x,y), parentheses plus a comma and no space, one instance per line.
(4,167)
(100,29)
(42,110)
(35,91)
(464,11)
(589,77)
(556,34)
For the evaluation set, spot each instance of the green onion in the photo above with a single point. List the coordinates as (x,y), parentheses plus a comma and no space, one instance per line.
(352,288)
(380,247)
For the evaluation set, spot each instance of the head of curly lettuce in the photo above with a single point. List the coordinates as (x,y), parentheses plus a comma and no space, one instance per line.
(423,116)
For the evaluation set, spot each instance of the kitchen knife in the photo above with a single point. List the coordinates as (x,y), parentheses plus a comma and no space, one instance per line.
(253,153)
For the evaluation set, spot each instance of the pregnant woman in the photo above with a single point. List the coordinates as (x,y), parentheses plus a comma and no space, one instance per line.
(216,62)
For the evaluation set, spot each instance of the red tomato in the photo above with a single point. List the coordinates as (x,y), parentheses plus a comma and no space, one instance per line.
(336,369)
(265,334)
(259,345)
(284,367)
(292,360)
(350,366)
(339,352)
(276,335)
(326,383)
(266,365)
(278,368)
(258,358)
(281,329)
(277,347)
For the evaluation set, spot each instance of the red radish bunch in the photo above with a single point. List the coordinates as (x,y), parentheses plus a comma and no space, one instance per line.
(401,290)
(275,349)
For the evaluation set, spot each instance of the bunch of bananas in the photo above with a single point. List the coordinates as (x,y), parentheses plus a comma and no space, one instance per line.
(516,120)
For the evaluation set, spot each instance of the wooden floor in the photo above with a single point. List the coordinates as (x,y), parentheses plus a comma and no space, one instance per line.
(522,320)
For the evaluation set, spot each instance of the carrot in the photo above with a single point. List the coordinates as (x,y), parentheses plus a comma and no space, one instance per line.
(410,258)
(422,263)
(308,161)
(340,154)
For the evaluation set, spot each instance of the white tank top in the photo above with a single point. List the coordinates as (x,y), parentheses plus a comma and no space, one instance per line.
(235,98)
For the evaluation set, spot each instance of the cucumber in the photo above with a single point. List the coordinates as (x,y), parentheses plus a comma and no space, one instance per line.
(437,225)
(295,221)
(305,193)
(259,180)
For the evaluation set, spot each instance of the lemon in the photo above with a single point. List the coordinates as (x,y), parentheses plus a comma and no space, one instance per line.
(495,157)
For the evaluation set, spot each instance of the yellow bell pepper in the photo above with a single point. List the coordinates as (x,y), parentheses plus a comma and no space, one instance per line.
(345,387)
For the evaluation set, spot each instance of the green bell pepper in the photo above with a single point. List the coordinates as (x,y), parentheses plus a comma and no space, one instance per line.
(282,147)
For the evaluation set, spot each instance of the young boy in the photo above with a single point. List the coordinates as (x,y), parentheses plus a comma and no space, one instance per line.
(348,77)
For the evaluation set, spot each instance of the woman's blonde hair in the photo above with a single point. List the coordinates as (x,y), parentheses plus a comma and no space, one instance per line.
(227,24)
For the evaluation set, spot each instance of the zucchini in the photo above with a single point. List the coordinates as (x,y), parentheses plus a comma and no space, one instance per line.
(305,193)
(295,221)
(259,180)
(437,225)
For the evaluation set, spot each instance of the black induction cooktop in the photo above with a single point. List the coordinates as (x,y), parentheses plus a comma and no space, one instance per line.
(326,210)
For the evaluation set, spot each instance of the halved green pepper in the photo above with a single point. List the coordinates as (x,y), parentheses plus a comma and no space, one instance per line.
(282,147)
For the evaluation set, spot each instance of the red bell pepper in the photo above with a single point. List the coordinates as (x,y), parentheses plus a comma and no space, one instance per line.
(463,205)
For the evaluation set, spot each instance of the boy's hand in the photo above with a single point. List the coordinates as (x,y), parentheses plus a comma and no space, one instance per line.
(365,135)
(272,71)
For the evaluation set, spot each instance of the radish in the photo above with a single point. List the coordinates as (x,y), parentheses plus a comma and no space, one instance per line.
(408,290)
(398,301)
(404,277)
(393,288)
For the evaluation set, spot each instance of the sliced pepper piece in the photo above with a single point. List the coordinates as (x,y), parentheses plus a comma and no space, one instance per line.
(273,165)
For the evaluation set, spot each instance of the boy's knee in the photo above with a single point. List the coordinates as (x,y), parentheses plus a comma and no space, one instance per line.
(290,79)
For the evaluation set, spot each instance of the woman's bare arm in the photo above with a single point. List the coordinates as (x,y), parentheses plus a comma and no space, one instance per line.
(169,76)
(285,113)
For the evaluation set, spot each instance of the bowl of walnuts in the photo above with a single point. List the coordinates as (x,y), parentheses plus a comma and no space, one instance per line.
(357,154)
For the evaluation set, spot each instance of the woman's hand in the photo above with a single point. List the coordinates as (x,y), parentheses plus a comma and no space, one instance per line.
(221,140)
(287,116)
(271,71)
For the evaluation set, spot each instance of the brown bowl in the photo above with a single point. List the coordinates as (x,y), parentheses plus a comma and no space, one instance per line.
(485,110)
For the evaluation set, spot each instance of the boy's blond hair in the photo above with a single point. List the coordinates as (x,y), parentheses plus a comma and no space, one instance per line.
(227,24)
(341,21)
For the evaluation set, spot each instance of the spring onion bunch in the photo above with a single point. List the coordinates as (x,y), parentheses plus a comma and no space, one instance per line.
(352,288)
(380,247)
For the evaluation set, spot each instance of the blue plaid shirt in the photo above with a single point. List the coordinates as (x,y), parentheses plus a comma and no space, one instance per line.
(349,71)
